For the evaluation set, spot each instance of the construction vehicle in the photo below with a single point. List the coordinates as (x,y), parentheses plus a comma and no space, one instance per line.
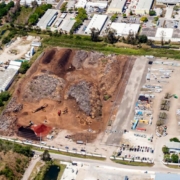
(65,110)
(40,108)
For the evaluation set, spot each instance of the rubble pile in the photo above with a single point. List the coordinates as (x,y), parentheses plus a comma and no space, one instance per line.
(43,86)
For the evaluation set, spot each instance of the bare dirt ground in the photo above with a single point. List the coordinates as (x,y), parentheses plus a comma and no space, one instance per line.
(17,49)
(83,84)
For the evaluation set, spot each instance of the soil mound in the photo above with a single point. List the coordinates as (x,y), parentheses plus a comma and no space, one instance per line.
(48,56)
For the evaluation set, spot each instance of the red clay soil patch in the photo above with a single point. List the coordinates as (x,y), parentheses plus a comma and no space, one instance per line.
(41,130)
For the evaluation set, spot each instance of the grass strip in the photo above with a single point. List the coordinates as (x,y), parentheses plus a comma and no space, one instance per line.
(71,154)
(133,163)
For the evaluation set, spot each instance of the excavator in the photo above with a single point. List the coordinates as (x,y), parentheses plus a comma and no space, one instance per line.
(40,108)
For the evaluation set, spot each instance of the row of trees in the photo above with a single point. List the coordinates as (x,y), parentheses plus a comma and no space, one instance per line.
(39,12)
(81,16)
(111,37)
(169,157)
(4,8)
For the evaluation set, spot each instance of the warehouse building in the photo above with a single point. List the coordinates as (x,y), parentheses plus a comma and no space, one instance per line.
(96,22)
(116,6)
(67,24)
(81,4)
(8,75)
(58,22)
(173,147)
(48,18)
(174,2)
(123,29)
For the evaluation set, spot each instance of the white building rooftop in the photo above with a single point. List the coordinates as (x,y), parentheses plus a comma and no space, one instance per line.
(173,145)
(96,22)
(47,17)
(67,24)
(165,32)
(168,1)
(144,4)
(81,4)
(124,29)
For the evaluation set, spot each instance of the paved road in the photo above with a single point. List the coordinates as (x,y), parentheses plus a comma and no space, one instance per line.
(109,163)
(59,4)
(30,168)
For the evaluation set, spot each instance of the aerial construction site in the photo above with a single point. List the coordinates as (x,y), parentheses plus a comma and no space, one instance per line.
(68,89)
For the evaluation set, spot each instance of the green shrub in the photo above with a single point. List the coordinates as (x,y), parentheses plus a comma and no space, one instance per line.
(24,67)
(175,139)
(106,97)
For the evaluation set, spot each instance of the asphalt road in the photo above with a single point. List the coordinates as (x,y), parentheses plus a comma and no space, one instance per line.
(59,4)
(109,163)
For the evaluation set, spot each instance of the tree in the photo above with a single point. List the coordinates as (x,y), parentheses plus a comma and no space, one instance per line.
(174,158)
(46,156)
(156,18)
(143,38)
(162,34)
(111,36)
(95,34)
(165,150)
(124,15)
(34,4)
(144,19)
(167,158)
(152,13)
(113,17)
(175,139)
(24,67)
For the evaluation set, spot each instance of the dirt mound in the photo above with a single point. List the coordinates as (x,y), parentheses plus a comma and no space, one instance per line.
(43,86)
(79,58)
(48,56)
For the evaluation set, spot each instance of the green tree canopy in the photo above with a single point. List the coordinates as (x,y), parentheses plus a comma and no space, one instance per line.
(143,38)
(165,150)
(46,156)
(174,158)
(144,19)
(152,13)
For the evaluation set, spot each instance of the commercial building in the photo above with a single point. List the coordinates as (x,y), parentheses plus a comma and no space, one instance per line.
(123,29)
(116,6)
(81,4)
(143,6)
(165,176)
(173,146)
(168,2)
(48,18)
(58,22)
(96,22)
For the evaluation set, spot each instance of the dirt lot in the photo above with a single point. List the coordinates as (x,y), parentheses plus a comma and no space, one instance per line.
(77,89)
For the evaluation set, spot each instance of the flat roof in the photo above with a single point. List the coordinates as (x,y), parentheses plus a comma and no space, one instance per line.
(117,4)
(43,22)
(144,4)
(81,4)
(166,32)
(96,22)
(168,1)
(124,29)
(67,24)
(163,176)
(173,145)
(29,2)
(100,4)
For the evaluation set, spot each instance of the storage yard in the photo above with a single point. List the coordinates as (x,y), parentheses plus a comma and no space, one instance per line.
(70,90)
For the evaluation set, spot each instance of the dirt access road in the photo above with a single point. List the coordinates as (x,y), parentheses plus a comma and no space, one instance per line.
(126,107)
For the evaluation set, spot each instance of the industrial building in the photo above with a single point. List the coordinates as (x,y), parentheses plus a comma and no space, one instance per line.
(48,18)
(81,4)
(175,2)
(173,147)
(96,22)
(67,24)
(58,22)
(123,29)
(116,6)
(165,176)
(8,75)
(143,6)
